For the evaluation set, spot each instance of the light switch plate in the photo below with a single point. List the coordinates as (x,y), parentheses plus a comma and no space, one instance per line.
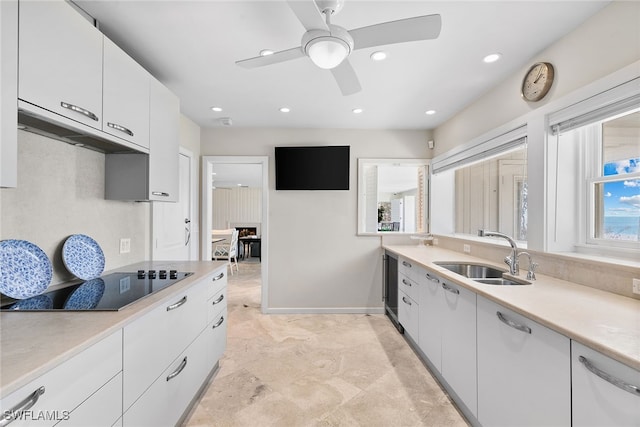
(636,286)
(125,245)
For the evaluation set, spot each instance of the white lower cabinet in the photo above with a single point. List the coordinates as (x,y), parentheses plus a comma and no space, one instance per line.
(164,403)
(105,404)
(459,343)
(604,392)
(71,390)
(409,315)
(431,314)
(153,341)
(170,351)
(523,370)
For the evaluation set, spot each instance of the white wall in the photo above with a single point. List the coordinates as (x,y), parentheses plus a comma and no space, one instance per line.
(317,262)
(603,44)
(607,42)
(236,205)
(61,192)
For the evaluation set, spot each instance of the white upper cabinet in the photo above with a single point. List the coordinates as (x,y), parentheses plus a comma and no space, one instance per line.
(60,62)
(125,96)
(8,93)
(164,143)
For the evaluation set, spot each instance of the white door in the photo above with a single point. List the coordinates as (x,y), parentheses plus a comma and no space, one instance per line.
(171,228)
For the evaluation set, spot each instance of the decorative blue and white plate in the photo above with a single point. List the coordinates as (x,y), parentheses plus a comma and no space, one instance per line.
(25,270)
(87,296)
(83,257)
(39,302)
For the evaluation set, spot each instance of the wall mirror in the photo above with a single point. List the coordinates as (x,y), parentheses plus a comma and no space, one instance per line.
(392,196)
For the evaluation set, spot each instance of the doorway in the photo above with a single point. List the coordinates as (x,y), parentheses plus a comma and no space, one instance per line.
(211,163)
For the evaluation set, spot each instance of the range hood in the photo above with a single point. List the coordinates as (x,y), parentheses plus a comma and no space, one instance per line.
(32,118)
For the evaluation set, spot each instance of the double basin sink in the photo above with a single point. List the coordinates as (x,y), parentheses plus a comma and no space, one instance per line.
(481,273)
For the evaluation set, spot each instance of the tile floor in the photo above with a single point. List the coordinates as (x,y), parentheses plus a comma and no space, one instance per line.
(316,370)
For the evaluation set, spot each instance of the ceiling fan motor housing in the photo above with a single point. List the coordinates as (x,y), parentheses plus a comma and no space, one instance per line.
(337,35)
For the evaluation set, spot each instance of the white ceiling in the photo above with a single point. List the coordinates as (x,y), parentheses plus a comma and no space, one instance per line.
(192,46)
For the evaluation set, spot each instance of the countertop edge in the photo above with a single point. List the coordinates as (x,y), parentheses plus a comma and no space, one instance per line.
(119,320)
(618,354)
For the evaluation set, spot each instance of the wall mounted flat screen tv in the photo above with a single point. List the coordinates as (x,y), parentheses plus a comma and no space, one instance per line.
(312,168)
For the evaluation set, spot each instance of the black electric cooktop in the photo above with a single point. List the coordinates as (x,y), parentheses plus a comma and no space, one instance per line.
(111,292)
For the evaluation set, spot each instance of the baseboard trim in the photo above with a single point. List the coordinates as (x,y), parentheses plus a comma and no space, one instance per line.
(325,310)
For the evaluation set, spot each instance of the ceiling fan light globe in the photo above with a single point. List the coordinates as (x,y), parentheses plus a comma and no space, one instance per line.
(327,52)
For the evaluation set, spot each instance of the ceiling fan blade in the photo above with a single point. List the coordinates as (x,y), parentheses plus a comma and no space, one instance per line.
(346,78)
(404,30)
(308,14)
(261,61)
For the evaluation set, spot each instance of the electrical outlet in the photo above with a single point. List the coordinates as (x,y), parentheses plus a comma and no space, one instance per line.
(435,241)
(466,249)
(636,286)
(125,245)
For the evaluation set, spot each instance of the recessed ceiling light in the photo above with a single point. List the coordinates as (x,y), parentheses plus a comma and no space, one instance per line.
(266,52)
(285,109)
(239,185)
(378,55)
(216,109)
(430,112)
(492,58)
(357,110)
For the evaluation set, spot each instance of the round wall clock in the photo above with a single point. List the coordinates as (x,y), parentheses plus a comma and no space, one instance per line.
(537,81)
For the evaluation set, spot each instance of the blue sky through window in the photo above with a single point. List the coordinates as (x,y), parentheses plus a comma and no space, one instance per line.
(622,198)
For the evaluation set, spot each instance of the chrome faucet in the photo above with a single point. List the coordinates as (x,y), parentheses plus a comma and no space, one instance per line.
(511,260)
(531,274)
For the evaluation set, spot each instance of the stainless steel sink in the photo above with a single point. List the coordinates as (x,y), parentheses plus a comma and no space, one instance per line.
(481,273)
(472,271)
(502,282)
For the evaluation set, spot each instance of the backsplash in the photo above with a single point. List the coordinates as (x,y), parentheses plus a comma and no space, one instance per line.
(61,192)
(603,274)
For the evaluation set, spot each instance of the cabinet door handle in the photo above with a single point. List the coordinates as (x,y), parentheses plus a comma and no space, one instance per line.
(513,324)
(405,282)
(433,279)
(404,299)
(12,414)
(218,301)
(218,277)
(160,193)
(406,264)
(179,369)
(218,323)
(177,304)
(120,128)
(635,390)
(450,289)
(80,110)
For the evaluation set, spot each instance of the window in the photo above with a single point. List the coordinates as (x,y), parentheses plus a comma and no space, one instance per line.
(616,188)
(487,179)
(595,155)
(492,194)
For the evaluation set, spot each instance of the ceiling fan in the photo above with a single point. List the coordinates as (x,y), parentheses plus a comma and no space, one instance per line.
(329,45)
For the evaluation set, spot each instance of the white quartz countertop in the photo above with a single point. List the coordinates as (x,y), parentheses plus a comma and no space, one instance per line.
(604,321)
(32,343)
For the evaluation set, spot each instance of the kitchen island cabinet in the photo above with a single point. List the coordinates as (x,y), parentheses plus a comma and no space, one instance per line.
(58,342)
(85,387)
